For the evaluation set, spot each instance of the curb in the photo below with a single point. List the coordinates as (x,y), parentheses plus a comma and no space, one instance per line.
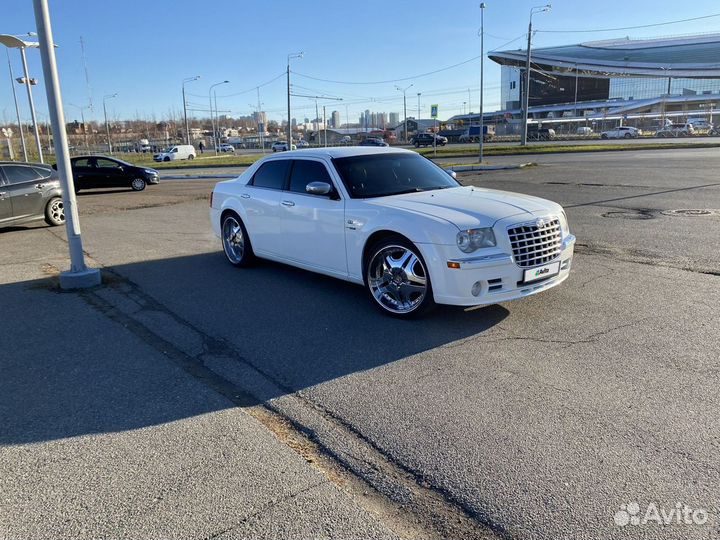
(198,176)
(466,168)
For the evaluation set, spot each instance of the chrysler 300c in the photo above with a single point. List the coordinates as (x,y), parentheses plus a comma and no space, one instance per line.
(394,222)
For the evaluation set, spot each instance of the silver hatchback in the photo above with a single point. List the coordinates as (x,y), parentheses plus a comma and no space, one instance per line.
(29,192)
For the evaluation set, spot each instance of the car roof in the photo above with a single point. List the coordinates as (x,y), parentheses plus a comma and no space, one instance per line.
(347,151)
(30,164)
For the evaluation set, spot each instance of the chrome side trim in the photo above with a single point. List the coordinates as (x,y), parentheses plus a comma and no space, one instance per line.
(485,260)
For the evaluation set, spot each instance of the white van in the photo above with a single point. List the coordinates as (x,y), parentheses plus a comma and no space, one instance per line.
(181,151)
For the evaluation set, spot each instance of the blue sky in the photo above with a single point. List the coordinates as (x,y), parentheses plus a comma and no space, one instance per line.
(143,49)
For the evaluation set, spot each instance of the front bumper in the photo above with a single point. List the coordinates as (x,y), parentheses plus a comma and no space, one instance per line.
(499,278)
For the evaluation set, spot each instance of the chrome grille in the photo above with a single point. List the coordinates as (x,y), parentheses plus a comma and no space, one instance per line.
(533,245)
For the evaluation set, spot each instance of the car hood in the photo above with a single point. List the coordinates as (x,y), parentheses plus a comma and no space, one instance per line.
(469,207)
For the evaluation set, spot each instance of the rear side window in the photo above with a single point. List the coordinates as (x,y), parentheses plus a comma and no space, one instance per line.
(306,171)
(272,174)
(16,174)
(44,173)
(84,162)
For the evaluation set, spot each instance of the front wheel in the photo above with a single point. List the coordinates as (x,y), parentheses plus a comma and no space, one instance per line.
(191,157)
(628,136)
(236,242)
(603,136)
(138,184)
(166,159)
(55,212)
(397,279)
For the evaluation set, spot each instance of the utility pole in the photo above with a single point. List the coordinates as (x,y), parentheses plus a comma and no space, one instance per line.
(28,82)
(187,126)
(79,276)
(17,108)
(418,96)
(324,127)
(107,125)
(289,124)
(482,62)
(212,122)
(538,9)
(260,130)
(404,92)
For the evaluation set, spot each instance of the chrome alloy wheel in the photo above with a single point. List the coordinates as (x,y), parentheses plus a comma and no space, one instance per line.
(233,240)
(57,211)
(397,279)
(138,184)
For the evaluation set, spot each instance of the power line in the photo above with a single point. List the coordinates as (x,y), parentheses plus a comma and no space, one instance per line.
(628,27)
(391,80)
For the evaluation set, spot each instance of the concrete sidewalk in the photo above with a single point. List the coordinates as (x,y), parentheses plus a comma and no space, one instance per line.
(103,436)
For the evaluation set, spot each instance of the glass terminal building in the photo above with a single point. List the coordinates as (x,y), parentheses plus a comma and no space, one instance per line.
(603,82)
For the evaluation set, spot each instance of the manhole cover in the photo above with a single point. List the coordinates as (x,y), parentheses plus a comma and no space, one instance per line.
(692,212)
(629,214)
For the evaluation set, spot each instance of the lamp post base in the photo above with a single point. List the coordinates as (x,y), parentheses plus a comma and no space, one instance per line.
(90,277)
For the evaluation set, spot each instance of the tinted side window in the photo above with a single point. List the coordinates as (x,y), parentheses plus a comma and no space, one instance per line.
(84,162)
(304,172)
(17,174)
(107,164)
(272,174)
(44,173)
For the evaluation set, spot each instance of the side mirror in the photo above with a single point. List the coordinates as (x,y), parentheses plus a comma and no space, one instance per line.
(318,188)
(451,173)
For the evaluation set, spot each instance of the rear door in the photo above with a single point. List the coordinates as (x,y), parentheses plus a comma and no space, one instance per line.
(261,200)
(25,187)
(83,170)
(5,204)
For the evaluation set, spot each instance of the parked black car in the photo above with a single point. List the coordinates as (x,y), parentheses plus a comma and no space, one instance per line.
(426,139)
(373,141)
(92,172)
(29,192)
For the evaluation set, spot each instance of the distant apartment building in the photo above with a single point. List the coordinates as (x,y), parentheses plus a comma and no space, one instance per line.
(394,119)
(335,119)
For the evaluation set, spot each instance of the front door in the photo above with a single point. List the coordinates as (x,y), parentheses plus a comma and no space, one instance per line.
(313,230)
(261,200)
(111,173)
(24,185)
(5,204)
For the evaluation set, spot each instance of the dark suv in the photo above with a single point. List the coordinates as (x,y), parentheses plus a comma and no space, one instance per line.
(29,192)
(426,139)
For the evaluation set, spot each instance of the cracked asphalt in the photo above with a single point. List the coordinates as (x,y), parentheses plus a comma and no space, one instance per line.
(532,419)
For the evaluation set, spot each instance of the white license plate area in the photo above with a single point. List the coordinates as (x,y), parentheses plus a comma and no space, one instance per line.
(541,272)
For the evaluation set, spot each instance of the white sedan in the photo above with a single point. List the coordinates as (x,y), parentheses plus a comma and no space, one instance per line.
(394,222)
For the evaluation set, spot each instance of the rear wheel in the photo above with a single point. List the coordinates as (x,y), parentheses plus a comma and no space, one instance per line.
(603,136)
(55,212)
(628,136)
(235,240)
(191,156)
(397,279)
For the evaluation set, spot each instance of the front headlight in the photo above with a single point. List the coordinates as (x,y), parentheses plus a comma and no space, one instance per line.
(564,224)
(150,171)
(470,240)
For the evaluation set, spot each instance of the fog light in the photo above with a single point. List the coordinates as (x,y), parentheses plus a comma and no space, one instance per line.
(476,288)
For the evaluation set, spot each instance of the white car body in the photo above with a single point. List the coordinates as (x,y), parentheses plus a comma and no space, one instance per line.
(621,132)
(225,147)
(178,152)
(331,236)
(281,146)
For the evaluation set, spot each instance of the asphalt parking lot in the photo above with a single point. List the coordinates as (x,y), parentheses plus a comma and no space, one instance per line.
(191,398)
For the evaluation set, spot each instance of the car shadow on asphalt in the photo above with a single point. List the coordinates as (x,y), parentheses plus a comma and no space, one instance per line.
(296,329)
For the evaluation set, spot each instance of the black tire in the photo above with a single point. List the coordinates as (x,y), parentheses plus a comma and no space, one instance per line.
(138,184)
(237,257)
(381,290)
(628,136)
(166,158)
(55,212)
(191,157)
(603,136)
(417,145)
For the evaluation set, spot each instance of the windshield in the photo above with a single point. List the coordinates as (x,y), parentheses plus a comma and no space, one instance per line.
(378,175)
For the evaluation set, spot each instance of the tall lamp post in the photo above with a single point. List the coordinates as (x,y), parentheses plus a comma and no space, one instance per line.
(79,276)
(212,121)
(418,96)
(533,11)
(481,138)
(289,124)
(187,126)
(404,93)
(107,125)
(17,108)
(17,43)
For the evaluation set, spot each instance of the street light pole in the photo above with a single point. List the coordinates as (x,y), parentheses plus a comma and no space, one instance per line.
(538,9)
(107,125)
(418,96)
(32,104)
(187,126)
(212,122)
(481,138)
(404,91)
(17,108)
(289,125)
(79,276)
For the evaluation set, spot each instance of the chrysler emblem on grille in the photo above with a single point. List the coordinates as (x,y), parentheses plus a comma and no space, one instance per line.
(540,223)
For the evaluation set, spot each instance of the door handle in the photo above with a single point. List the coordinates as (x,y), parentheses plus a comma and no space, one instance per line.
(245,195)
(39,186)
(288,203)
